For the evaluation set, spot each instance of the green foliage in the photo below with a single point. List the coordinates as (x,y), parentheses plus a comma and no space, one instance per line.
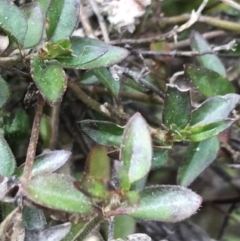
(115,177)
(210,61)
(35,20)
(11,17)
(7,159)
(208,82)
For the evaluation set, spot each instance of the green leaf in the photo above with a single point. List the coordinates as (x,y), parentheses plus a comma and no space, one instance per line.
(163,203)
(4,92)
(36,21)
(82,229)
(83,51)
(97,173)
(7,159)
(53,50)
(200,156)
(177,108)
(92,53)
(46,163)
(199,133)
(13,21)
(45,131)
(62,17)
(57,233)
(103,132)
(89,78)
(50,80)
(159,158)
(136,148)
(210,61)
(107,80)
(214,109)
(98,163)
(17,126)
(123,226)
(57,191)
(33,218)
(208,82)
(44,4)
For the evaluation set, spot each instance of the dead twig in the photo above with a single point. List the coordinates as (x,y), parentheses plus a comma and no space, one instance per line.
(229,46)
(101,21)
(85,22)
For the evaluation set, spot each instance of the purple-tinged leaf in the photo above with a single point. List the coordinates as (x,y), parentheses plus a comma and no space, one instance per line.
(136,148)
(214,109)
(163,203)
(57,191)
(46,163)
(210,61)
(36,22)
(13,20)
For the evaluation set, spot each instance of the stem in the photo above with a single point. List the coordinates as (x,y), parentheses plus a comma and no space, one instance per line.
(54,125)
(216,22)
(31,151)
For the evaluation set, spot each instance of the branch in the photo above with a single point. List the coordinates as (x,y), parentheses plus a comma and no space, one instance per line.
(104,109)
(31,151)
(230,46)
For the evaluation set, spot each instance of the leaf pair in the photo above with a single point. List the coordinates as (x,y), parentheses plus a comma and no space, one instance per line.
(206,121)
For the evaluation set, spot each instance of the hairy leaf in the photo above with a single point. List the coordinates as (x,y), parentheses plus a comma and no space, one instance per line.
(4,92)
(208,82)
(200,156)
(103,132)
(164,203)
(50,80)
(210,61)
(91,53)
(57,191)
(107,80)
(13,20)
(136,148)
(7,159)
(177,108)
(36,22)
(47,162)
(199,133)
(62,17)
(214,109)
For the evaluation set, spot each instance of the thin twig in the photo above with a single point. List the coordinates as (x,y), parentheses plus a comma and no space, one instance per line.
(186,42)
(193,18)
(31,151)
(232,4)
(55,111)
(85,23)
(216,22)
(128,95)
(230,46)
(101,21)
(104,109)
